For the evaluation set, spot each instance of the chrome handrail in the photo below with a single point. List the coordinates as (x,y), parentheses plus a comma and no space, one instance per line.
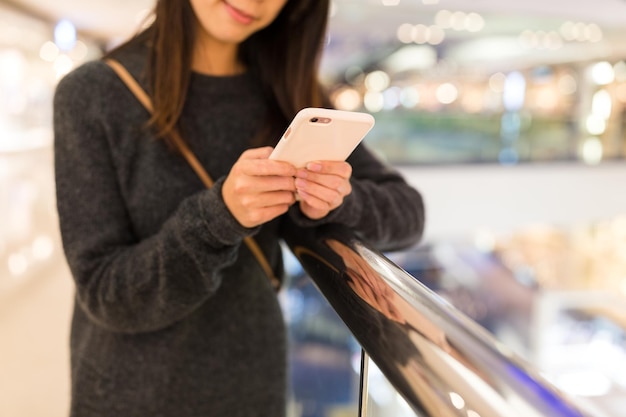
(442,363)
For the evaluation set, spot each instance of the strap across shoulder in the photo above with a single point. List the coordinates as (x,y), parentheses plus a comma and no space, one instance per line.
(204,176)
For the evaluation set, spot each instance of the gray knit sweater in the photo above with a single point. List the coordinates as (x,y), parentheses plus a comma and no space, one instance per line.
(173,316)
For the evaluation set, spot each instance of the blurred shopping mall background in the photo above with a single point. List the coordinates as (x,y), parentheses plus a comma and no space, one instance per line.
(509,116)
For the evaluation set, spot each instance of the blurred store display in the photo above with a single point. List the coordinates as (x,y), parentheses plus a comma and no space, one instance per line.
(34,54)
(554,296)
(449,83)
(588,257)
(29,238)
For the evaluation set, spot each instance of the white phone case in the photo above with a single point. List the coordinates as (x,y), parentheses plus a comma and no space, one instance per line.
(317,134)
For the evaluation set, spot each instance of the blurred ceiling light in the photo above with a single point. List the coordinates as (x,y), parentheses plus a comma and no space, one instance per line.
(421,34)
(347,99)
(472,413)
(374,102)
(568,30)
(437,35)
(601,104)
(391,97)
(65,35)
(411,57)
(447,93)
(12,67)
(377,81)
(443,18)
(540,39)
(552,40)
(514,91)
(49,51)
(471,22)
(527,39)
(594,33)
(80,51)
(595,124)
(405,33)
(428,2)
(62,65)
(390,2)
(602,73)
(619,69)
(457,20)
(474,22)
(581,32)
(42,247)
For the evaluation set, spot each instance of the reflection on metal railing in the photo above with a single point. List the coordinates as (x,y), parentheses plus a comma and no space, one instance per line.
(442,363)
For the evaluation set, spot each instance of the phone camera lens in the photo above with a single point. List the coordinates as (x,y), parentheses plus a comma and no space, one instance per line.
(313,120)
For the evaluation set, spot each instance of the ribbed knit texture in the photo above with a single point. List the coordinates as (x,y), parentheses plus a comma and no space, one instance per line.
(173,315)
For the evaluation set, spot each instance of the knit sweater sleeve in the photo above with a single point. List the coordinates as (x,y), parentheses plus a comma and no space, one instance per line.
(382,208)
(124,283)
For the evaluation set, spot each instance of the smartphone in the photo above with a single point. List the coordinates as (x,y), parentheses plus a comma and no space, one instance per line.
(317,134)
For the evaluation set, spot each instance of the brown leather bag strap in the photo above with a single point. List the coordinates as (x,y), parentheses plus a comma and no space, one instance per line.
(206,179)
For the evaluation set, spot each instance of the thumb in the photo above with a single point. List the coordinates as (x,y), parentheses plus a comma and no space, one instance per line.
(257,153)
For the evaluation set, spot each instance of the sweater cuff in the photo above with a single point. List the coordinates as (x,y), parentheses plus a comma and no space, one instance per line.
(221,224)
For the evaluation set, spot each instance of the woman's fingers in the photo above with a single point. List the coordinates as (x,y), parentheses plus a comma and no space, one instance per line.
(322,186)
(255,162)
(258,189)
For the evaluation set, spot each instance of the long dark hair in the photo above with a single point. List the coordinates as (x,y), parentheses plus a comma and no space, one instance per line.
(284,57)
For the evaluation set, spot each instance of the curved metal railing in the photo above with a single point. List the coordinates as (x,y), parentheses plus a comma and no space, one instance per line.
(440,361)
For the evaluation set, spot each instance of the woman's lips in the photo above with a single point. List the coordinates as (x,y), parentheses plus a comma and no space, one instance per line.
(238,15)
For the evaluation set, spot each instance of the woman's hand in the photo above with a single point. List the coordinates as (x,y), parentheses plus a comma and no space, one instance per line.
(258,189)
(322,186)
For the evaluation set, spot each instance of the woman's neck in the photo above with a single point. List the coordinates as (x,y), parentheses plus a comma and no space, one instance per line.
(216,58)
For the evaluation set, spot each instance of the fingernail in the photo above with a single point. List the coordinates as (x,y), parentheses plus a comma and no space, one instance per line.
(299,183)
(301,173)
(315,167)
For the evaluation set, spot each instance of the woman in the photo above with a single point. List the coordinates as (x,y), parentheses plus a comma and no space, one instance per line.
(173,315)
